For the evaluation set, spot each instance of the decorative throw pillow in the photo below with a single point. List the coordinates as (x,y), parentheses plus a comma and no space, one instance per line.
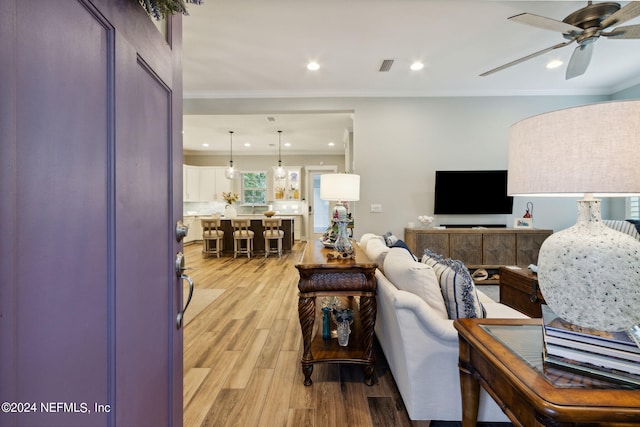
(390,239)
(456,285)
(415,277)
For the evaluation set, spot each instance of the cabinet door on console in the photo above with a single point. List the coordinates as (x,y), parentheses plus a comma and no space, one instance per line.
(466,247)
(528,246)
(499,249)
(438,243)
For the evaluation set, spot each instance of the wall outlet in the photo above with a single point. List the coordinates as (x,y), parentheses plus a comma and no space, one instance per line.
(377,208)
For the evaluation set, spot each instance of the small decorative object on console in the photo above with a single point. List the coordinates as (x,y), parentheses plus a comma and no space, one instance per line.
(426,221)
(343,318)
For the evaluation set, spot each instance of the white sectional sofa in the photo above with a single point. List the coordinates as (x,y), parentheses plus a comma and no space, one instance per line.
(417,337)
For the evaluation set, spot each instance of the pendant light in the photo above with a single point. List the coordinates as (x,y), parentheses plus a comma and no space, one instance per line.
(231,172)
(280,172)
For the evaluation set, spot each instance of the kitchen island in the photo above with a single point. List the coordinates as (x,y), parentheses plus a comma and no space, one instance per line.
(258,240)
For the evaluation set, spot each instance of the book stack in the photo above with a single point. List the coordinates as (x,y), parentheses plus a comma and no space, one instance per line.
(614,356)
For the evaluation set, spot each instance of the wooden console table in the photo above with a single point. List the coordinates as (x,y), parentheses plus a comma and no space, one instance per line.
(320,277)
(488,248)
(505,357)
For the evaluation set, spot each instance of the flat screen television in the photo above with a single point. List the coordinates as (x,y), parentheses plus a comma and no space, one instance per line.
(472,192)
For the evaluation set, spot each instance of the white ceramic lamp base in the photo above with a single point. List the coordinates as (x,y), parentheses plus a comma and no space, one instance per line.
(589,274)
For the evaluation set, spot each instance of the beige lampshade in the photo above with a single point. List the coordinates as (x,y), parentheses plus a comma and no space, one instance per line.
(341,187)
(588,149)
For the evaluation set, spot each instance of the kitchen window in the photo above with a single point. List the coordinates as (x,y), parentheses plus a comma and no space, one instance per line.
(254,188)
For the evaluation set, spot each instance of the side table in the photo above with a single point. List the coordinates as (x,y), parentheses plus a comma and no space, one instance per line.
(504,356)
(343,278)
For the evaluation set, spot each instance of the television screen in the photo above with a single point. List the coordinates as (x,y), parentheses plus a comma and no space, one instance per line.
(472,192)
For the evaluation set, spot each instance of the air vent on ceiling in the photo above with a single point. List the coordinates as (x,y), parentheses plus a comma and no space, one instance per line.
(271,119)
(386,65)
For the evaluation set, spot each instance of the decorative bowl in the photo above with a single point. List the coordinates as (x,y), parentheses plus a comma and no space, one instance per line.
(269,214)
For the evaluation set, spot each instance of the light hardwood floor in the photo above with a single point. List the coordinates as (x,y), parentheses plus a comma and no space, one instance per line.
(242,356)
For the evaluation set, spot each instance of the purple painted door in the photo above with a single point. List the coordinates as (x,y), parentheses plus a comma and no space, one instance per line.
(90,137)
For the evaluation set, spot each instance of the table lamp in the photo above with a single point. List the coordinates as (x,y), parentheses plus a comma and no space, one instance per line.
(589,274)
(341,188)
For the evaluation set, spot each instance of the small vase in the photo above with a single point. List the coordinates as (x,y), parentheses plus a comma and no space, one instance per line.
(230,212)
(344,329)
(326,324)
(343,244)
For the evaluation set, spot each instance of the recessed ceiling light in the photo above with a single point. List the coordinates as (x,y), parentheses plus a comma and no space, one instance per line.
(313,66)
(205,145)
(554,63)
(417,66)
(247,144)
(287,144)
(331,144)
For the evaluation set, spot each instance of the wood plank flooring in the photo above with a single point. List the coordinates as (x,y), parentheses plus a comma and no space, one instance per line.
(242,356)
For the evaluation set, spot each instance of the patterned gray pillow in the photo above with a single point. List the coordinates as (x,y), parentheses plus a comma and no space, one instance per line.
(457,286)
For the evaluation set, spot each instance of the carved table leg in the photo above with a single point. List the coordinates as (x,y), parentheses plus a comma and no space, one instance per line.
(307,314)
(368,308)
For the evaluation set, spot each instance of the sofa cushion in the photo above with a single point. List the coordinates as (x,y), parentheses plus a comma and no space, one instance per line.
(376,251)
(365,239)
(415,277)
(457,286)
(402,244)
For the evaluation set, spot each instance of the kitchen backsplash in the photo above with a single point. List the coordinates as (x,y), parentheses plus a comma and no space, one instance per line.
(209,208)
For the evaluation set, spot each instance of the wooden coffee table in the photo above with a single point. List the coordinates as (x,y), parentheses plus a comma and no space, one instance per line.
(347,278)
(504,356)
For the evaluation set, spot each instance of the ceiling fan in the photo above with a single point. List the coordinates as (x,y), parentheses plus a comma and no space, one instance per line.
(583,26)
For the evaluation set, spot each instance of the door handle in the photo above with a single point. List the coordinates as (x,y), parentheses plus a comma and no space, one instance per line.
(180,268)
(180,316)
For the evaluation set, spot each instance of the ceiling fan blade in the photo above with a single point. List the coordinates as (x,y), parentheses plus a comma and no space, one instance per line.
(630,11)
(545,23)
(579,61)
(626,32)
(525,58)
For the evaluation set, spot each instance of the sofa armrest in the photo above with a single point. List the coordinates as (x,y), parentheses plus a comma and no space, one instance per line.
(439,328)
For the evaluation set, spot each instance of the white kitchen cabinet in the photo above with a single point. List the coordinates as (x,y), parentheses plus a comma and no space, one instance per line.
(289,187)
(208,189)
(222,183)
(190,183)
(297,227)
(193,234)
(203,183)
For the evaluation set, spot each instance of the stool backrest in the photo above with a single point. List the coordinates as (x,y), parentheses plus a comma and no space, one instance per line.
(271,224)
(241,224)
(210,226)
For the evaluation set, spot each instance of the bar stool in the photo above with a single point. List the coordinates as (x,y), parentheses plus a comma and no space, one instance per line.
(272,232)
(212,236)
(242,232)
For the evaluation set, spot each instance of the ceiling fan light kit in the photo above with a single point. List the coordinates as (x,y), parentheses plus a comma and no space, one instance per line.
(584,26)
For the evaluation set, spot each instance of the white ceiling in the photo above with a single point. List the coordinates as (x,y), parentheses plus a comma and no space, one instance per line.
(257,48)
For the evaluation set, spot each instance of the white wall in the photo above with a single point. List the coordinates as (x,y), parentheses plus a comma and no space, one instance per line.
(398,143)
